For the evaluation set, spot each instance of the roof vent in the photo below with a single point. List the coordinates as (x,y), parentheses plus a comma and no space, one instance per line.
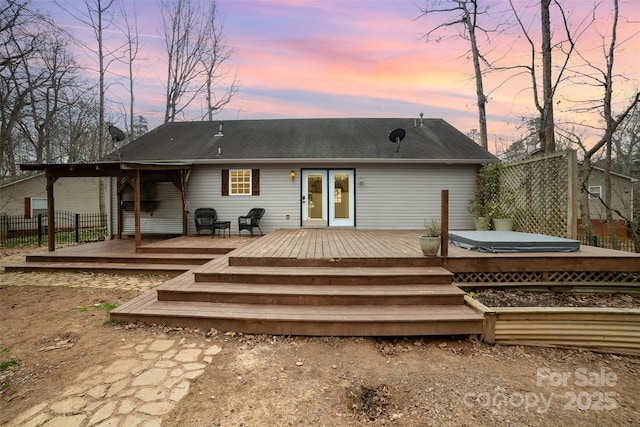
(219,130)
(421,121)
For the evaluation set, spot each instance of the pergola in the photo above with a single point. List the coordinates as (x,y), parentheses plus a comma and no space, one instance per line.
(126,173)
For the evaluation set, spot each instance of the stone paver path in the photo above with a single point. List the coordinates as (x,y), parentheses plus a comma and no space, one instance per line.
(145,381)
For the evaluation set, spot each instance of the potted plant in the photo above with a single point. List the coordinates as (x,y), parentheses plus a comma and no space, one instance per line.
(501,216)
(430,240)
(503,224)
(481,214)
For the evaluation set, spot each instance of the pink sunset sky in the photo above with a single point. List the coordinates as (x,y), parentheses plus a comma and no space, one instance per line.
(368,58)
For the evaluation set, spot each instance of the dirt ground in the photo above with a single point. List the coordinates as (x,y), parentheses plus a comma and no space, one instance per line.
(50,333)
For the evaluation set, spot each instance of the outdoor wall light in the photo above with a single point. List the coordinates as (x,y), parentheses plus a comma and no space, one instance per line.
(292,174)
(361,181)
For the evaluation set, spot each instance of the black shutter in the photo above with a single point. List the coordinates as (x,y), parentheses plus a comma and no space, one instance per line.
(255,182)
(225,182)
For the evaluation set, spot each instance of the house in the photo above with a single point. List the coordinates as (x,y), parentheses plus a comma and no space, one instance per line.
(304,172)
(622,201)
(28,196)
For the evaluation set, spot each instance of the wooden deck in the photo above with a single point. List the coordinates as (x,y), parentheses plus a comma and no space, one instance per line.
(154,256)
(323,282)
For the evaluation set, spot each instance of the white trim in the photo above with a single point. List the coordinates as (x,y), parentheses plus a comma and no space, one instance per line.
(342,222)
(308,199)
(595,189)
(243,171)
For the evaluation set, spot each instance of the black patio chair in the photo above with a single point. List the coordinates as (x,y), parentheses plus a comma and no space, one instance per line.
(205,219)
(251,221)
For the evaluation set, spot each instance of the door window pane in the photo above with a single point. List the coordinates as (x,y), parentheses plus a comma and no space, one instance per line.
(341,195)
(314,197)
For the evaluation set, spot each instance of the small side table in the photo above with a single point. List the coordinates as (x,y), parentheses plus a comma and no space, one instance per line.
(221,225)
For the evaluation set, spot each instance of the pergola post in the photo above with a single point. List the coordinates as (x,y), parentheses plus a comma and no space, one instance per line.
(136,209)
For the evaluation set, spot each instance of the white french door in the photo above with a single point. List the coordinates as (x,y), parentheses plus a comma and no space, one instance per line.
(328,198)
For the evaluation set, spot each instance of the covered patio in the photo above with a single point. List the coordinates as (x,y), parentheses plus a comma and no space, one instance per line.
(127,174)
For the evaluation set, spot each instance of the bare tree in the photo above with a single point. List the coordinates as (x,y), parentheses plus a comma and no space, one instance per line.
(603,77)
(12,14)
(465,13)
(196,49)
(215,55)
(626,145)
(19,39)
(97,14)
(132,50)
(546,132)
(52,71)
(185,35)
(78,125)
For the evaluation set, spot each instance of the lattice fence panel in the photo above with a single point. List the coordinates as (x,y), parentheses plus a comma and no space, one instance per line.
(555,277)
(538,192)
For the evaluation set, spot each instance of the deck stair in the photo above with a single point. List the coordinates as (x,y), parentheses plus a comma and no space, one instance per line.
(114,263)
(331,300)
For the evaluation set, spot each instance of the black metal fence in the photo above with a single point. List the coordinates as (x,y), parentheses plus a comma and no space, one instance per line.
(16,230)
(621,244)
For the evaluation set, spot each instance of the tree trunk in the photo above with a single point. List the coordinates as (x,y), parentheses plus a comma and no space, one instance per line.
(607,198)
(547,135)
(585,214)
(482,99)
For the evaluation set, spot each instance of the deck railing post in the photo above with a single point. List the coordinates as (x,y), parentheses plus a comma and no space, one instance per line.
(444,223)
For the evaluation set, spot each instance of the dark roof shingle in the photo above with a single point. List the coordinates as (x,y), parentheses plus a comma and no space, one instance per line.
(354,139)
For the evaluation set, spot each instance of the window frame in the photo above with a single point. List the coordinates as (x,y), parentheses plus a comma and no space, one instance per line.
(247,176)
(595,189)
(35,210)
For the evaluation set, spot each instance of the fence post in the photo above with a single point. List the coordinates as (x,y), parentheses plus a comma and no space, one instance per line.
(77,228)
(4,228)
(39,229)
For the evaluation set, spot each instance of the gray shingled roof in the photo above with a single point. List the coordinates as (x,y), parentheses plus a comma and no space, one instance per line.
(259,140)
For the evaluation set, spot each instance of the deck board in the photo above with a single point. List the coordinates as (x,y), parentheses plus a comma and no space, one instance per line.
(316,313)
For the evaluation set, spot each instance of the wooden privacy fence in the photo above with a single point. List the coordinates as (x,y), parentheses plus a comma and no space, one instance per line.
(16,230)
(540,193)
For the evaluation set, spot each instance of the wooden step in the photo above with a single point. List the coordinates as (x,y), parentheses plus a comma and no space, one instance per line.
(183,250)
(107,268)
(422,261)
(186,259)
(326,275)
(315,295)
(307,320)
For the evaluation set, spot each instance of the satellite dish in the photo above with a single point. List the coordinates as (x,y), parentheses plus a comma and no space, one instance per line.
(116,134)
(396,136)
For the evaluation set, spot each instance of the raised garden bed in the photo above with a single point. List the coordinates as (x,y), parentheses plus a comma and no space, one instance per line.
(603,323)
